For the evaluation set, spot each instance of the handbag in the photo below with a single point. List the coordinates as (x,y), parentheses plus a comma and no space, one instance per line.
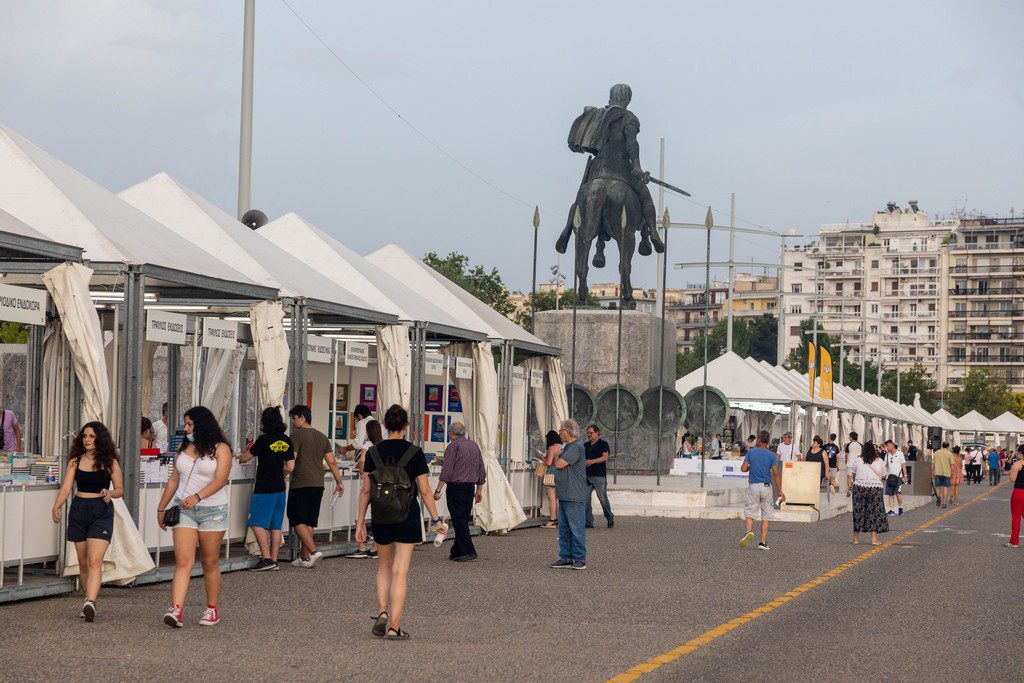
(892,481)
(541,470)
(172,515)
(549,479)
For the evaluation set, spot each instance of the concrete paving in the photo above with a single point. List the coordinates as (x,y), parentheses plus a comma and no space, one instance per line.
(946,606)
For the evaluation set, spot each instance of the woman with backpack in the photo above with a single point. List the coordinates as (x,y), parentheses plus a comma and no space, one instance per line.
(394,473)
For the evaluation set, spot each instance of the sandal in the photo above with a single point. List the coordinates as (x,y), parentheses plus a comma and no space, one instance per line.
(550,525)
(397,634)
(380,623)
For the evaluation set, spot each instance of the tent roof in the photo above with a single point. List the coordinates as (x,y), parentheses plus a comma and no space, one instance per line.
(976,422)
(738,380)
(218,234)
(20,240)
(303,240)
(946,419)
(69,208)
(473,313)
(1008,422)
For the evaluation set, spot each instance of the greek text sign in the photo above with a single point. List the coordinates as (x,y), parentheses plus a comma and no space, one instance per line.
(434,364)
(318,349)
(464,368)
(357,354)
(219,334)
(22,305)
(166,327)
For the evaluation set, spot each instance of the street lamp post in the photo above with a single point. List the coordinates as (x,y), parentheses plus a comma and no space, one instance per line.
(533,292)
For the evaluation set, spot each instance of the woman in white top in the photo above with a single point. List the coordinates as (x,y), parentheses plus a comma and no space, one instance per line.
(197,486)
(868,475)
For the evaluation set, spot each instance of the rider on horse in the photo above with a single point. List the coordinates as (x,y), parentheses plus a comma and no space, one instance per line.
(609,134)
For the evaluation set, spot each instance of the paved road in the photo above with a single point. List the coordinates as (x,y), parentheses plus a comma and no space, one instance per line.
(652,586)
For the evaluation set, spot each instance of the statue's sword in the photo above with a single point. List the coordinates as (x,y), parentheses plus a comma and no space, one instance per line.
(649,178)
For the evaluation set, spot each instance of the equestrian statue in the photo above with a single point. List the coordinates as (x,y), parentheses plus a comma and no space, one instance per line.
(613,201)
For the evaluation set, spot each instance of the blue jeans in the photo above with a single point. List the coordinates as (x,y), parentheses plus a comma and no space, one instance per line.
(572,534)
(600,486)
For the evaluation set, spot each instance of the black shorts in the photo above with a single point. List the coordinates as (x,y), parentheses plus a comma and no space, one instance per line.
(409,531)
(304,505)
(90,518)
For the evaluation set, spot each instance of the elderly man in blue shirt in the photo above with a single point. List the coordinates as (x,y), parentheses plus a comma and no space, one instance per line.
(462,470)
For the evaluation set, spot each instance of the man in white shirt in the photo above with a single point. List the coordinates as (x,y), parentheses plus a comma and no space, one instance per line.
(160,431)
(853,449)
(978,457)
(360,440)
(788,449)
(896,466)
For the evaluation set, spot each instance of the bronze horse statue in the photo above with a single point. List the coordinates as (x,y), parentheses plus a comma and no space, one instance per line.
(613,202)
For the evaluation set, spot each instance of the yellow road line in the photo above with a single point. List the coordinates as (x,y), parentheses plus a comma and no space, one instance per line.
(719,631)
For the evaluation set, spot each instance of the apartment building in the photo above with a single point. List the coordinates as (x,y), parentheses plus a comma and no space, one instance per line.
(879,285)
(985,310)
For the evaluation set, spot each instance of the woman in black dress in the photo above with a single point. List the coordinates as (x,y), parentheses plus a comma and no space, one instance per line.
(395,541)
(868,501)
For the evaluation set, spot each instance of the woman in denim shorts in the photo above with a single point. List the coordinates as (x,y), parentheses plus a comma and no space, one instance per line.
(197,487)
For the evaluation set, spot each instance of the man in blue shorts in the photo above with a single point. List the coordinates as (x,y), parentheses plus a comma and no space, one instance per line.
(762,467)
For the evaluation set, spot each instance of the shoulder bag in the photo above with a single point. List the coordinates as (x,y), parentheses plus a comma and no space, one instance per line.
(172,515)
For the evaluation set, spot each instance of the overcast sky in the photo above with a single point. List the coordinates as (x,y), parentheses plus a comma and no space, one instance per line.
(810,112)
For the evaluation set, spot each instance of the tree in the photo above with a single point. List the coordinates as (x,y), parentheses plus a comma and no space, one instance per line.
(1017,405)
(983,390)
(912,382)
(545,301)
(798,357)
(764,337)
(13,333)
(486,286)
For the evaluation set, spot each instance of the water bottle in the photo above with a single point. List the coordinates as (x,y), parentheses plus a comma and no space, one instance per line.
(440,536)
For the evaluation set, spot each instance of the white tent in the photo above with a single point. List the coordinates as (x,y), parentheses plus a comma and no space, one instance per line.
(947,420)
(1008,422)
(977,423)
(738,380)
(222,237)
(379,287)
(471,313)
(67,207)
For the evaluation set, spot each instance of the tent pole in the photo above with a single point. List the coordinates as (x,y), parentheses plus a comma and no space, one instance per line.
(131,380)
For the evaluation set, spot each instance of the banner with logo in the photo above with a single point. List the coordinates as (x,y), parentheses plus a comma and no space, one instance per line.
(810,367)
(825,386)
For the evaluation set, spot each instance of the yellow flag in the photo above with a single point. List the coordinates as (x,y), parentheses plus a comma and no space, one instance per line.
(825,387)
(810,368)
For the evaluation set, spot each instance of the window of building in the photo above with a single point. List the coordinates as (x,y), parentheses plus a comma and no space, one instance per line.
(794,331)
(913,351)
(874,286)
(839,288)
(874,263)
(932,263)
(798,265)
(893,329)
(931,352)
(797,288)
(796,309)
(856,287)
(874,308)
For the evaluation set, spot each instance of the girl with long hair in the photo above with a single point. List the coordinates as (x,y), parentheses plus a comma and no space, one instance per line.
(552,449)
(374,436)
(94,470)
(275,456)
(956,475)
(197,486)
(868,500)
(148,435)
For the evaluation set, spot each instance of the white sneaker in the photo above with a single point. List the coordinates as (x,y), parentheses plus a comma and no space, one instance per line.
(301,562)
(314,559)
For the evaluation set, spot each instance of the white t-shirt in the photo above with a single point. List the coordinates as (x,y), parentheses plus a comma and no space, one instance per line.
(160,435)
(361,441)
(977,456)
(787,452)
(894,462)
(868,475)
(854,451)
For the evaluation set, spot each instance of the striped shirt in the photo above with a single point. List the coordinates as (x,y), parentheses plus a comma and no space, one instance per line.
(463,463)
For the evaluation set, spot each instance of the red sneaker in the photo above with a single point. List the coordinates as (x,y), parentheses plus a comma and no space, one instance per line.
(210,617)
(173,617)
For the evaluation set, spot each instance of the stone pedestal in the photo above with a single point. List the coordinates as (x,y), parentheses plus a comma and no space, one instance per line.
(596,352)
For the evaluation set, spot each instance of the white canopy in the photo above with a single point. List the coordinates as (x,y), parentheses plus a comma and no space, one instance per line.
(1008,422)
(471,312)
(978,423)
(332,259)
(947,420)
(738,380)
(222,237)
(67,207)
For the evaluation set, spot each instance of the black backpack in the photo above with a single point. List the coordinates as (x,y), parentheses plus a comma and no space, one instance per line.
(391,490)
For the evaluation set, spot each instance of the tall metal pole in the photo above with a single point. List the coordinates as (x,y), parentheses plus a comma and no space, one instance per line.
(732,268)
(709,221)
(245,141)
(665,222)
(812,412)
(662,258)
(533,292)
(842,338)
(780,354)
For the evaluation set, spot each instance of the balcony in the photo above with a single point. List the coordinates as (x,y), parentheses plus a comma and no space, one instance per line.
(844,273)
(977,270)
(900,272)
(910,315)
(911,293)
(987,291)
(986,246)
(1015,337)
(997,313)
(1012,380)
(986,358)
(919,338)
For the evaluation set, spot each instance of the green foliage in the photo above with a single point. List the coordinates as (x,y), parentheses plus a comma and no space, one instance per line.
(484,285)
(983,390)
(545,301)
(756,339)
(13,333)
